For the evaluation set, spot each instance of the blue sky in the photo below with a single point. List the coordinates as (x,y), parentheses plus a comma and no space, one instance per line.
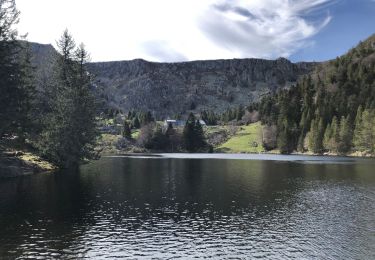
(182,30)
(352,21)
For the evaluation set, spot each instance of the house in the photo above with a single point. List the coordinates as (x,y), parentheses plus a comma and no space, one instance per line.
(175,123)
(202,122)
(179,123)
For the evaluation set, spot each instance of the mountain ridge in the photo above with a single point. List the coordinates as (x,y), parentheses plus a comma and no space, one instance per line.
(170,88)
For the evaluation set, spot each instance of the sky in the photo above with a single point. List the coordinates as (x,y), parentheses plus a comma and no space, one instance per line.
(183,30)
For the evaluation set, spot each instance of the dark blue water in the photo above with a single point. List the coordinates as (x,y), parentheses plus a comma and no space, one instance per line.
(269,207)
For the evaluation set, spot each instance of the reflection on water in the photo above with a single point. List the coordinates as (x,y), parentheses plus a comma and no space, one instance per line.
(170,208)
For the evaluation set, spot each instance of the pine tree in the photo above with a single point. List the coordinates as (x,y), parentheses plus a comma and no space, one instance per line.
(346,135)
(199,140)
(283,137)
(129,116)
(358,139)
(188,133)
(145,118)
(158,140)
(69,132)
(319,138)
(16,85)
(126,132)
(364,136)
(239,113)
(312,136)
(327,138)
(315,141)
(335,138)
(170,130)
(135,123)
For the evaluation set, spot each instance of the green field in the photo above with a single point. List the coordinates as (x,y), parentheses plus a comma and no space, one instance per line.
(135,134)
(247,140)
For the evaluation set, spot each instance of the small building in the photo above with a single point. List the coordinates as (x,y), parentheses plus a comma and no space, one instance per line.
(175,123)
(179,123)
(202,122)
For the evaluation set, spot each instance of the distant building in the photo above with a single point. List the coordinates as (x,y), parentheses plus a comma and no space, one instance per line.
(175,123)
(202,122)
(179,123)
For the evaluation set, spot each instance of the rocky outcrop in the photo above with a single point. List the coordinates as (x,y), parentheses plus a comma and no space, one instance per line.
(167,89)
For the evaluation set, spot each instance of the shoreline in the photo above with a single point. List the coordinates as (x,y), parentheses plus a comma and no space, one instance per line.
(274,152)
(24,163)
(241,156)
(15,164)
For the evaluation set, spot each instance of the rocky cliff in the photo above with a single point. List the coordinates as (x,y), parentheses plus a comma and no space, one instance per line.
(167,89)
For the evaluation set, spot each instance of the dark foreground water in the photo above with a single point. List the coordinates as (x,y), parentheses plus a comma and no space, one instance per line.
(269,207)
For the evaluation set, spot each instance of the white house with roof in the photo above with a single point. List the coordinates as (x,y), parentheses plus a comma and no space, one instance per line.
(179,123)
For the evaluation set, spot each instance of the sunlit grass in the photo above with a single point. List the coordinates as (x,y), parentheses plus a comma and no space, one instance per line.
(247,140)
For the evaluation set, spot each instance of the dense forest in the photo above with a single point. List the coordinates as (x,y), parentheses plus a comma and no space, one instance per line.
(332,110)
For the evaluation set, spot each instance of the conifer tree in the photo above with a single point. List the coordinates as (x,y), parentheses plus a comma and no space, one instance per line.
(239,113)
(283,137)
(364,135)
(327,138)
(312,136)
(319,138)
(346,135)
(16,86)
(358,140)
(135,123)
(198,135)
(188,133)
(335,138)
(69,132)
(193,134)
(126,132)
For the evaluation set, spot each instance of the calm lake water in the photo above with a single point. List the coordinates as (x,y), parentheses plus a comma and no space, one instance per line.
(231,206)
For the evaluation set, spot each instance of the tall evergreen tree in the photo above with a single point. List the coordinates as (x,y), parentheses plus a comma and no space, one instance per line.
(69,132)
(188,133)
(193,134)
(316,136)
(364,135)
(135,123)
(283,138)
(334,141)
(126,132)
(16,85)
(239,112)
(199,139)
(327,137)
(346,135)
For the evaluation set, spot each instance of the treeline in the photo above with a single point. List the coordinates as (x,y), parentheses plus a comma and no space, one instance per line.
(138,119)
(331,110)
(154,136)
(55,117)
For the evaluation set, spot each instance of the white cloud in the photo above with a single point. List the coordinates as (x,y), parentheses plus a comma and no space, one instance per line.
(171,30)
(263,28)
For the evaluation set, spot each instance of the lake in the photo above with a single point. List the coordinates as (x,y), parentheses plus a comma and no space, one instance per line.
(193,206)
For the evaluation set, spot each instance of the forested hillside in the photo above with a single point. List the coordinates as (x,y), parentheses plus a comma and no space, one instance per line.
(330,110)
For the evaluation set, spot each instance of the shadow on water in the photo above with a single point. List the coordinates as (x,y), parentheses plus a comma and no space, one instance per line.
(117,201)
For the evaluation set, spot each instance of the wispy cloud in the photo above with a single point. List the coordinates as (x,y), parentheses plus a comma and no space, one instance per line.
(161,51)
(264,28)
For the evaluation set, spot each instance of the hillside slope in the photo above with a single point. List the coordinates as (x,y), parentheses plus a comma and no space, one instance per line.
(168,89)
(322,113)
